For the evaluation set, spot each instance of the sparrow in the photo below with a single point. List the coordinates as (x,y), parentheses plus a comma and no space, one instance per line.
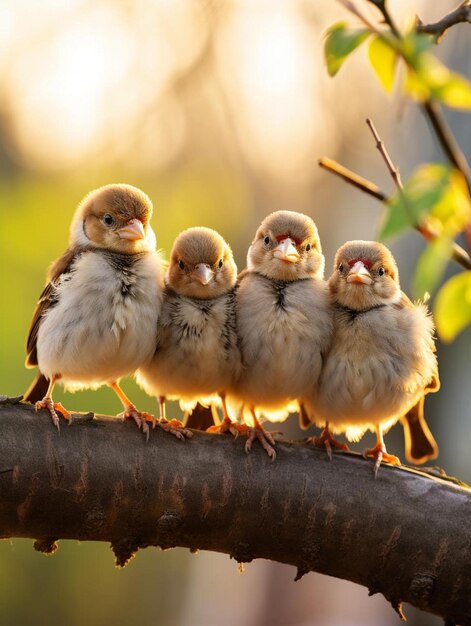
(196,357)
(96,319)
(381,361)
(283,321)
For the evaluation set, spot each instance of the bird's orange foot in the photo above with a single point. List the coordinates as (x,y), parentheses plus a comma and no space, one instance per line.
(264,437)
(141,418)
(53,407)
(327,441)
(379,453)
(227,425)
(174,427)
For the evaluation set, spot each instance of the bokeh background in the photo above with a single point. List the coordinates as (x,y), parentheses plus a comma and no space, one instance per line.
(219,110)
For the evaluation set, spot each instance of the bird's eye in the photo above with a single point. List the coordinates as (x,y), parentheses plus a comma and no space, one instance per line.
(381,271)
(108,219)
(220,264)
(341,267)
(266,240)
(308,247)
(181,265)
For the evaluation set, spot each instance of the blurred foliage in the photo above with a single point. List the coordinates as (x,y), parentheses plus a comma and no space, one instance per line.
(453,306)
(436,199)
(427,78)
(422,194)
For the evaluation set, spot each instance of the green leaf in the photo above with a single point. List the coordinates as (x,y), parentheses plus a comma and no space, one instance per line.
(436,194)
(431,266)
(395,220)
(414,44)
(383,59)
(421,192)
(453,306)
(340,42)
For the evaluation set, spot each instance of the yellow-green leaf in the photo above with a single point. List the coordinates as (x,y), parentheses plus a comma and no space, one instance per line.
(455,91)
(415,87)
(427,77)
(414,44)
(453,209)
(340,42)
(431,266)
(453,306)
(383,59)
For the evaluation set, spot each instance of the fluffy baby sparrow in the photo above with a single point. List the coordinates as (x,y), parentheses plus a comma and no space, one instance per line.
(382,358)
(196,358)
(283,320)
(96,319)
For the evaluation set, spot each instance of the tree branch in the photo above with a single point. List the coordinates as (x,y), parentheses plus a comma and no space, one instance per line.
(405,535)
(462,13)
(459,254)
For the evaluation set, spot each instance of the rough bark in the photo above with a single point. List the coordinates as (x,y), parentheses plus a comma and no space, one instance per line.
(461,14)
(405,534)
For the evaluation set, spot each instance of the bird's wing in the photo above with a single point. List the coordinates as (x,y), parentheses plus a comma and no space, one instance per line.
(47,299)
(434,384)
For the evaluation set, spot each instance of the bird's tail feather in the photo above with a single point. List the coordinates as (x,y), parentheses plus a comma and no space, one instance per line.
(419,442)
(37,390)
(304,420)
(201,417)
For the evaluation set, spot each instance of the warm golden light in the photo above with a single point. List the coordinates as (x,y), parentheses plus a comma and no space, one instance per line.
(273,78)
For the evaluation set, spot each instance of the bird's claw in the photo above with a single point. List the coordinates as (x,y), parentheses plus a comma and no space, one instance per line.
(174,427)
(140,418)
(52,408)
(264,437)
(328,442)
(227,425)
(380,454)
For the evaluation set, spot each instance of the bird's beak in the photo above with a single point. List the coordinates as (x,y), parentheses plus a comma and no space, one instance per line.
(286,251)
(133,230)
(359,274)
(203,273)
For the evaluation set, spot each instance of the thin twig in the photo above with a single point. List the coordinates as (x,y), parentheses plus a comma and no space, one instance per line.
(459,254)
(393,170)
(354,179)
(462,13)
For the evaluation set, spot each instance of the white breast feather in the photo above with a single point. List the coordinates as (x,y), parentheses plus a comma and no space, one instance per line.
(95,334)
(281,344)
